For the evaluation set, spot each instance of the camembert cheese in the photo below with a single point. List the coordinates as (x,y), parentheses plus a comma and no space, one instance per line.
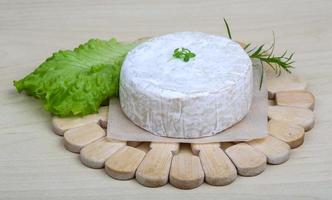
(198,98)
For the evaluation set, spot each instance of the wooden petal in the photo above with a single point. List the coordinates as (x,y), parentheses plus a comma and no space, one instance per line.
(274,149)
(292,134)
(218,168)
(186,170)
(154,169)
(95,154)
(60,125)
(75,139)
(284,82)
(248,161)
(123,163)
(302,99)
(300,116)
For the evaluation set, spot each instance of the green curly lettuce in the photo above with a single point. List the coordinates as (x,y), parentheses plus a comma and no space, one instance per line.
(76,82)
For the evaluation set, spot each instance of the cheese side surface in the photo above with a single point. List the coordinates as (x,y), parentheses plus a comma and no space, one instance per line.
(172,98)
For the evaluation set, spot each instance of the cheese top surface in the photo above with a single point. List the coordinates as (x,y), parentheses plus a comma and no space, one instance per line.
(219,63)
(173,98)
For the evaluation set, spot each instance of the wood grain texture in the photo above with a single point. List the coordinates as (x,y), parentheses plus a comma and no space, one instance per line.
(60,125)
(122,164)
(248,160)
(154,169)
(77,138)
(300,116)
(302,99)
(33,162)
(292,134)
(186,169)
(218,168)
(275,150)
(95,154)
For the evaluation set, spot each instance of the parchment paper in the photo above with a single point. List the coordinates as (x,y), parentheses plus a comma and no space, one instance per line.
(254,125)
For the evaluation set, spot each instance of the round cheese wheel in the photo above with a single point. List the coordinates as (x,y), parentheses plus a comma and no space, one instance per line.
(173,98)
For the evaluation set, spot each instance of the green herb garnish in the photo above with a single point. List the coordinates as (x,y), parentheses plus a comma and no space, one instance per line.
(266,55)
(183,54)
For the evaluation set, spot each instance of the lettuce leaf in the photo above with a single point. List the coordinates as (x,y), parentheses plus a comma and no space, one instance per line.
(76,82)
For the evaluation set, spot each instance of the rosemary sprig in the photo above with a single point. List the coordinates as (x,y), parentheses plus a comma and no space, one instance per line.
(277,63)
(266,55)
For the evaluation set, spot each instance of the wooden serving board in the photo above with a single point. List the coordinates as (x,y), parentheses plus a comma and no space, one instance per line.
(187,166)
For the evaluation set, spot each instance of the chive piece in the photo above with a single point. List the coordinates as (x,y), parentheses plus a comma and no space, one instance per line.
(183,54)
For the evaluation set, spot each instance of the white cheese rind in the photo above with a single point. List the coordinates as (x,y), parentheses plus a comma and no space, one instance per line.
(172,98)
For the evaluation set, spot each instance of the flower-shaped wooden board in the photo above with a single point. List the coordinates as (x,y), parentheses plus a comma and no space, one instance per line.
(187,166)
